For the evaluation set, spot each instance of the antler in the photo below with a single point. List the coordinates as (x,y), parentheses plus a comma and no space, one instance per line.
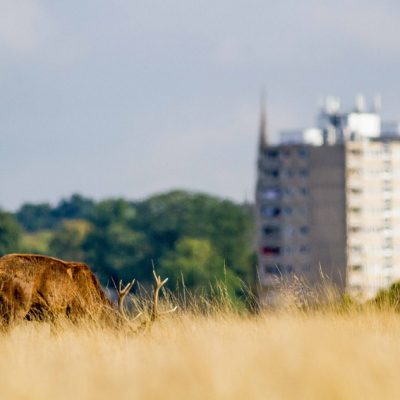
(159,284)
(122,293)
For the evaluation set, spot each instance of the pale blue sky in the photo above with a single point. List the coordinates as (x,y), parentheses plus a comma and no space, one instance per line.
(128,98)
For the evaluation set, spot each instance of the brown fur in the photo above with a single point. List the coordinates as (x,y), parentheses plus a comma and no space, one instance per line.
(40,287)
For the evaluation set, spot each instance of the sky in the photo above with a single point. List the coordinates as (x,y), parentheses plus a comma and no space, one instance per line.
(130,98)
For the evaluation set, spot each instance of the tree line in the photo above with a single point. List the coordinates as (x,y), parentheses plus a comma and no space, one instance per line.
(194,239)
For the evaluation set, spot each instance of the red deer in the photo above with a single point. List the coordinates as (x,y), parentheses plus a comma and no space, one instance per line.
(41,287)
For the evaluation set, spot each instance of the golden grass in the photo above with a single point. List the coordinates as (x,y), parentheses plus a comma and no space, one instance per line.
(354,355)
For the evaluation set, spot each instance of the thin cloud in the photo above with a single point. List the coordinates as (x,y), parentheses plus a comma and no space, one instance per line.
(130,97)
(21,25)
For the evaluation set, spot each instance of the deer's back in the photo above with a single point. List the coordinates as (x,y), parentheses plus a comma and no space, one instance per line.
(49,282)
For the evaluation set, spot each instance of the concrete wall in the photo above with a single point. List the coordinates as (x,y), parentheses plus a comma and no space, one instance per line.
(312,228)
(328,213)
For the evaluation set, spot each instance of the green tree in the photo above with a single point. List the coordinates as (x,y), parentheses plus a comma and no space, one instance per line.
(36,242)
(198,264)
(113,247)
(168,217)
(389,297)
(10,234)
(67,241)
(35,217)
(76,207)
(193,259)
(182,232)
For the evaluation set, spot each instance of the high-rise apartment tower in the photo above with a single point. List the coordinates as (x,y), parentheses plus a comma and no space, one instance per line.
(328,204)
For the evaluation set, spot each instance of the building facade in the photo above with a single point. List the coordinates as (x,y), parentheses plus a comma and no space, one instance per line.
(329,209)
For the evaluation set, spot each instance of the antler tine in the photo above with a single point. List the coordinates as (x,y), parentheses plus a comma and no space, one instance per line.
(132,283)
(157,278)
(159,284)
(137,316)
(169,311)
(122,293)
(125,290)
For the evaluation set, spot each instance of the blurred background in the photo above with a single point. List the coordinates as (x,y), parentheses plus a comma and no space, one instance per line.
(125,99)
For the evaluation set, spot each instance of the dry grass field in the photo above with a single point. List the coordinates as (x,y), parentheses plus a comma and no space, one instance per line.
(293,355)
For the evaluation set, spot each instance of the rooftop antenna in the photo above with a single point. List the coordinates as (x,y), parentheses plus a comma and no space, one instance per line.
(360,103)
(332,104)
(377,104)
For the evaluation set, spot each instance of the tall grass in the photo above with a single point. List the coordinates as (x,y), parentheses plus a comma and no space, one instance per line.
(209,349)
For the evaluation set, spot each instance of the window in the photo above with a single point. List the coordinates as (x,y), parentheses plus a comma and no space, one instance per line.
(387,204)
(288,210)
(288,250)
(272,153)
(289,173)
(271,193)
(303,152)
(288,191)
(288,269)
(386,147)
(303,210)
(289,231)
(278,270)
(304,191)
(356,288)
(388,260)
(304,172)
(271,230)
(387,166)
(273,269)
(271,250)
(354,171)
(388,243)
(304,230)
(304,249)
(387,186)
(273,173)
(270,211)
(356,249)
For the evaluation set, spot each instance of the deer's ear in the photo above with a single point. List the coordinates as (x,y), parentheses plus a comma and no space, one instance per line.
(70,273)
